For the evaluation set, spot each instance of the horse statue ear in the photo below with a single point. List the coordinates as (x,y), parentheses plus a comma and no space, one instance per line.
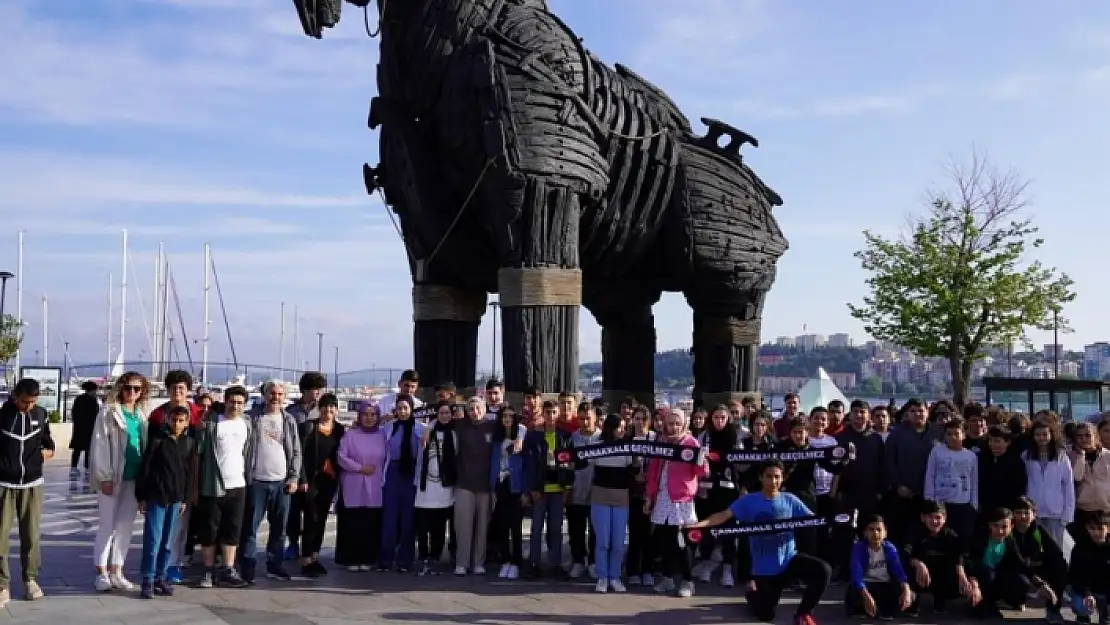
(316,15)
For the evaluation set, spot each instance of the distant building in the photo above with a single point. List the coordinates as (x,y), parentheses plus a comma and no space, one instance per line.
(1096,360)
(785,341)
(840,340)
(810,341)
(1051,351)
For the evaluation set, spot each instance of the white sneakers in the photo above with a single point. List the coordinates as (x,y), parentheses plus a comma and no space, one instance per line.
(105,582)
(686,589)
(617,586)
(460,570)
(704,570)
(602,586)
(727,580)
(479,570)
(576,571)
(509,571)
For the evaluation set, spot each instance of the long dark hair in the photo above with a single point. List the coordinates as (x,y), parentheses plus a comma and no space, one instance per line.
(609,428)
(1055,445)
(500,434)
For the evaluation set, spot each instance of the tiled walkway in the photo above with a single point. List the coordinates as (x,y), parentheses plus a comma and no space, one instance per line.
(342,597)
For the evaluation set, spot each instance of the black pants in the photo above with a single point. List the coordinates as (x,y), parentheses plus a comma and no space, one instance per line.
(718,499)
(579,528)
(813,573)
(961,518)
(822,536)
(843,536)
(901,515)
(640,558)
(506,529)
(315,506)
(431,532)
(944,586)
(885,594)
(293,520)
(996,585)
(356,535)
(678,557)
(1055,575)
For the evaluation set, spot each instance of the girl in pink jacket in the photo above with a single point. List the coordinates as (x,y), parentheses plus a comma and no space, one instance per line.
(671,487)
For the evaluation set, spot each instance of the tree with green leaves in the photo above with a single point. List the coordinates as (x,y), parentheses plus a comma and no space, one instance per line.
(961,278)
(11,336)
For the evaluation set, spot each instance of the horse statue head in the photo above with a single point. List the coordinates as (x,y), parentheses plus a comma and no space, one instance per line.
(316,15)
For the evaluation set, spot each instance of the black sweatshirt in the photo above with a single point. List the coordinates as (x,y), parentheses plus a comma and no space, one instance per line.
(1002,479)
(941,553)
(1038,548)
(168,473)
(1089,573)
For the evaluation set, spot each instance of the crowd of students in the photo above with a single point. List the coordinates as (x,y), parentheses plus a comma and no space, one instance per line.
(971,504)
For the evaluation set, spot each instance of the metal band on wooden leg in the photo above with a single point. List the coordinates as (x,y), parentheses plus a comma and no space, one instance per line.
(539,286)
(728,331)
(516,398)
(615,397)
(434,302)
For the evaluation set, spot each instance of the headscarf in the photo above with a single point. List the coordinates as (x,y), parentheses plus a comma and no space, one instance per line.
(407,466)
(365,407)
(446,453)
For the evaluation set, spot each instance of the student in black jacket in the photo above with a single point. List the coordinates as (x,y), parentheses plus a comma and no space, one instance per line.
(319,480)
(1041,553)
(25,445)
(996,570)
(1002,477)
(1089,574)
(801,482)
(933,557)
(166,484)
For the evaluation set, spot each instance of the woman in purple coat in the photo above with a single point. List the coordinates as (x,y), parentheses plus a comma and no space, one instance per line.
(362,460)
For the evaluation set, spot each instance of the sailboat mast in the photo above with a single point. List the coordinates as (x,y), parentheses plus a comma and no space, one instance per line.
(19,298)
(281,346)
(123,303)
(110,356)
(296,328)
(156,357)
(45,333)
(207,318)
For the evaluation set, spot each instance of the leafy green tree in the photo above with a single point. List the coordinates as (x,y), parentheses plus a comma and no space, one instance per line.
(961,280)
(873,385)
(11,336)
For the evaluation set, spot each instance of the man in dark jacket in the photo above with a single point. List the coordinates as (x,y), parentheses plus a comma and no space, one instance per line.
(1002,475)
(547,476)
(906,454)
(25,445)
(862,481)
(83,415)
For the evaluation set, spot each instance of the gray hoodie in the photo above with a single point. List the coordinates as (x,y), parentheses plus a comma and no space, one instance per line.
(291,442)
(584,477)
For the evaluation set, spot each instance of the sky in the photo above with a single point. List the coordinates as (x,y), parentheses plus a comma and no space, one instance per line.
(193,121)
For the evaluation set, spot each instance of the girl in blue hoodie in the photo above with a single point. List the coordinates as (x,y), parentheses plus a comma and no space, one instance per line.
(507,483)
(879,587)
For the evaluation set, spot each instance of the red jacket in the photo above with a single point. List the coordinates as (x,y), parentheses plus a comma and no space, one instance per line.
(158,417)
(682,477)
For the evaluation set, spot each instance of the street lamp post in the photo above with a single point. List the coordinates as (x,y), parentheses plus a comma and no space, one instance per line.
(1055,343)
(319,351)
(4,277)
(335,369)
(495,305)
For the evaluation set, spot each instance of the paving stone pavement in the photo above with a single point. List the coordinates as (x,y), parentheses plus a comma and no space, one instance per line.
(69,526)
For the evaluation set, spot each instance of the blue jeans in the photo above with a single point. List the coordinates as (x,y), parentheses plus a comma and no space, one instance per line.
(610,525)
(547,511)
(398,531)
(271,500)
(157,538)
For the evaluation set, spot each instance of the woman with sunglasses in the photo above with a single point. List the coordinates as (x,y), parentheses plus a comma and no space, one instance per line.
(119,439)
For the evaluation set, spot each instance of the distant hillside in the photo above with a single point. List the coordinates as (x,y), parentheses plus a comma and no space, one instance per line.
(673,369)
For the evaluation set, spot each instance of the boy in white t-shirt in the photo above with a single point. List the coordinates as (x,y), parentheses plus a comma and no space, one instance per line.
(824,482)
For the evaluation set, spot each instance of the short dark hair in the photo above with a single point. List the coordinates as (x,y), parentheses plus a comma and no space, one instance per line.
(771,464)
(531,392)
(1000,431)
(872,519)
(955,423)
(312,381)
(996,515)
(328,399)
(410,375)
(629,402)
(913,402)
(566,395)
(236,391)
(446,387)
(586,407)
(748,401)
(89,386)
(817,410)
(933,507)
(1024,503)
(974,410)
(797,422)
(836,404)
(880,408)
(787,397)
(1097,518)
(859,403)
(179,410)
(177,376)
(493,383)
(549,405)
(27,387)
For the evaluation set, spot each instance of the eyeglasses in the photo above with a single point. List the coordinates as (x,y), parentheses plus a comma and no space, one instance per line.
(133,389)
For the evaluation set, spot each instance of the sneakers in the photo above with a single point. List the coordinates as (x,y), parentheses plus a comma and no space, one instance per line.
(664,586)
(365,568)
(686,589)
(232,579)
(207,580)
(514,572)
(101,583)
(479,570)
(616,586)
(727,580)
(634,580)
(460,570)
(648,580)
(163,588)
(174,575)
(5,597)
(504,572)
(602,586)
(804,619)
(33,592)
(707,572)
(275,570)
(592,570)
(146,591)
(119,582)
(576,571)
(354,568)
